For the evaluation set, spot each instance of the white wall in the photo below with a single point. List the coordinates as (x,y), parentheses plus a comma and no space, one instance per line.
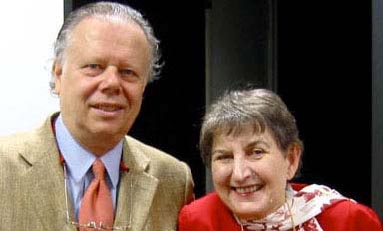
(28,30)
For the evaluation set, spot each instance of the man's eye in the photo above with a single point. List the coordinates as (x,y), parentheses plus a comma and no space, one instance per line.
(94,66)
(92,69)
(129,75)
(126,72)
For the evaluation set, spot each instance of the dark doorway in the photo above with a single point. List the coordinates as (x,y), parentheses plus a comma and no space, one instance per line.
(324,70)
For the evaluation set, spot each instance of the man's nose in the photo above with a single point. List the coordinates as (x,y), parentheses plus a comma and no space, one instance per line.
(111,81)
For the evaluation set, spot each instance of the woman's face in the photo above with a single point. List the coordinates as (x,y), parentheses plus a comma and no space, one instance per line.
(250,171)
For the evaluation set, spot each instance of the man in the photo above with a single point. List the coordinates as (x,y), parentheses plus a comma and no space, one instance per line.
(105,54)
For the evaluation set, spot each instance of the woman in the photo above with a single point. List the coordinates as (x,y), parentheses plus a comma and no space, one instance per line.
(250,141)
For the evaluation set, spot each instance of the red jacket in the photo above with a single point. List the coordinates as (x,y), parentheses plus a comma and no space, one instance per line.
(210,214)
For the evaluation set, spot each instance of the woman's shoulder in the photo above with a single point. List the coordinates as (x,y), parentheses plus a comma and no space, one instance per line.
(210,201)
(343,213)
(349,215)
(207,213)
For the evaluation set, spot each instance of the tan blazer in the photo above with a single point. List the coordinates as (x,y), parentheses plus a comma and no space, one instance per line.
(32,185)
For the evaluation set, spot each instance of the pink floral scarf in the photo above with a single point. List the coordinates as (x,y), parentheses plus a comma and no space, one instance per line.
(300,210)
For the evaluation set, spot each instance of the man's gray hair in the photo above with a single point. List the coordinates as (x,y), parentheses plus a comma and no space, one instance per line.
(109,11)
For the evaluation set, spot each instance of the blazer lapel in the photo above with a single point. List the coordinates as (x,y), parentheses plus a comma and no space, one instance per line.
(136,190)
(45,180)
(44,184)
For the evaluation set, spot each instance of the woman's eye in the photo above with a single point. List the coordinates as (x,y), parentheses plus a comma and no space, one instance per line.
(222,157)
(257,153)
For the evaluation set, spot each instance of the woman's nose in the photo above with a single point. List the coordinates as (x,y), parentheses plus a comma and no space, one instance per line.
(241,169)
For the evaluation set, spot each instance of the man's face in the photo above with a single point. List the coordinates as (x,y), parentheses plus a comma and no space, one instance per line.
(101,81)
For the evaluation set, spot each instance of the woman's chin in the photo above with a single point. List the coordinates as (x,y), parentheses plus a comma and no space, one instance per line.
(250,214)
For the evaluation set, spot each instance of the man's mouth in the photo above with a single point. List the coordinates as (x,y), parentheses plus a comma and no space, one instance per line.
(107,107)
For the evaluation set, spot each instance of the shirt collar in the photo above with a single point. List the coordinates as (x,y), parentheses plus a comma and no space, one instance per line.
(78,160)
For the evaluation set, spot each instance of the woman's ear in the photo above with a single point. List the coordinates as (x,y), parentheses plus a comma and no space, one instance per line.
(293,159)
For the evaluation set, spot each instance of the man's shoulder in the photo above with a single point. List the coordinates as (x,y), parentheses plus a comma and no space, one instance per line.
(26,142)
(25,137)
(159,160)
(16,140)
(173,174)
(155,155)
(11,146)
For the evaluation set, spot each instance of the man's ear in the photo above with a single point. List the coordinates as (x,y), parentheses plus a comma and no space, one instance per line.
(294,153)
(57,73)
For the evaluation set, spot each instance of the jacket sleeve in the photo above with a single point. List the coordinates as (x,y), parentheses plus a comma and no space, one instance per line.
(189,185)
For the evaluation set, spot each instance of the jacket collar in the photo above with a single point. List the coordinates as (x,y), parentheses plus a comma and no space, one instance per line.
(137,188)
(45,179)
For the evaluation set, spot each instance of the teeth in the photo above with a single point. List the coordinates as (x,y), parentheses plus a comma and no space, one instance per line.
(108,108)
(246,189)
